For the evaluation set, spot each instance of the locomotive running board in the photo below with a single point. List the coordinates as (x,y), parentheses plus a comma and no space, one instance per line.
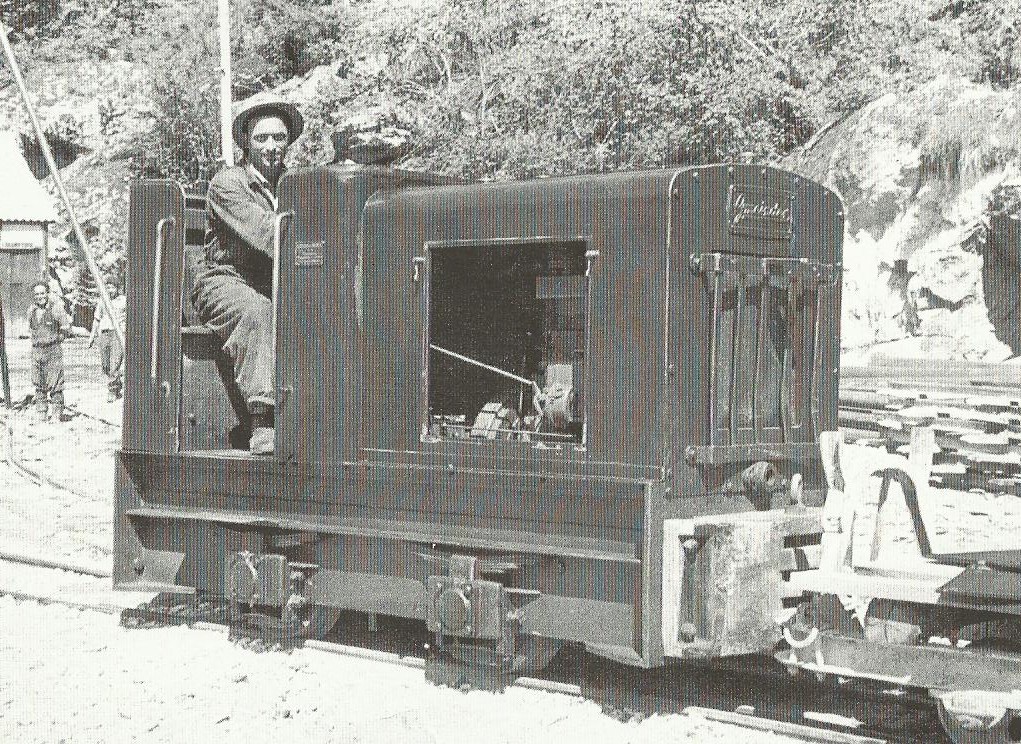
(480,539)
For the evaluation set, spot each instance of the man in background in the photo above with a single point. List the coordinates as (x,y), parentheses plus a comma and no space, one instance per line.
(50,324)
(111,356)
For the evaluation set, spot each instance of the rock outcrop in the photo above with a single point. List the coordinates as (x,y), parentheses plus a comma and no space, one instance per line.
(931,256)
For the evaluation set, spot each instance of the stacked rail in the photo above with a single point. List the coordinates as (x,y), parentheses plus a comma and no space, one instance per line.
(973,408)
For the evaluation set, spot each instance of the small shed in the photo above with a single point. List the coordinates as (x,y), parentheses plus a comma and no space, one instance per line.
(26,211)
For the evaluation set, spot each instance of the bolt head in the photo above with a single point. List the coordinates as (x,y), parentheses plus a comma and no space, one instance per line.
(687,632)
(138,565)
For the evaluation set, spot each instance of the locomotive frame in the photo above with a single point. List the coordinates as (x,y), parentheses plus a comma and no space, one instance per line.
(679,523)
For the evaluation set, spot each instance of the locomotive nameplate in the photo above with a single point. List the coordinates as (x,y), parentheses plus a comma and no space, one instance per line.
(308,254)
(758,212)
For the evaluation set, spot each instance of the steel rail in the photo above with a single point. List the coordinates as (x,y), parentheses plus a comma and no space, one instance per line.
(28,473)
(781,728)
(21,596)
(42,562)
(337,649)
(743,716)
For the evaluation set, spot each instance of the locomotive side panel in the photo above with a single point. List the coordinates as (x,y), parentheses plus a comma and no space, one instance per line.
(587,252)
(376,534)
(319,370)
(317,360)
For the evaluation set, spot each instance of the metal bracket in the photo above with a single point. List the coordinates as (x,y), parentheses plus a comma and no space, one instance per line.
(756,267)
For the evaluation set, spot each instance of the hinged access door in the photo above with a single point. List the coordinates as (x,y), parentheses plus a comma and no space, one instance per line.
(152,362)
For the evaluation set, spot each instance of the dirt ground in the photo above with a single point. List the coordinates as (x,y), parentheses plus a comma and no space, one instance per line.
(70,676)
(77,677)
(77,454)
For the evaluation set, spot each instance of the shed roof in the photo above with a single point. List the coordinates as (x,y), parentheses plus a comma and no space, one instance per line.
(22,198)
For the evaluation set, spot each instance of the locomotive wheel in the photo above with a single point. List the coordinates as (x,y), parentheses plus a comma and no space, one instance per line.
(535,654)
(320,621)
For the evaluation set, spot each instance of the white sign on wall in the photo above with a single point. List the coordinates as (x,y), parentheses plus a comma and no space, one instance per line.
(22,236)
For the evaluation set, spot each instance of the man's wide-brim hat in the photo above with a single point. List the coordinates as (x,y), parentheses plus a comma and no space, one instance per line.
(266,104)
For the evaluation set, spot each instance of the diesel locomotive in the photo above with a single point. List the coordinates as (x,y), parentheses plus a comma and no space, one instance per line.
(574,410)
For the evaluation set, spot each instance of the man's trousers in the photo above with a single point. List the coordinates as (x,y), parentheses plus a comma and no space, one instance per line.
(243,319)
(48,377)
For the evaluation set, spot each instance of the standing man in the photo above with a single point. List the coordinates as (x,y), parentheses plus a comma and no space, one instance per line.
(232,291)
(111,357)
(50,323)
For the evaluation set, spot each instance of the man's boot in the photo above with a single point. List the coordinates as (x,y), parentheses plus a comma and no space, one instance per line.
(263,434)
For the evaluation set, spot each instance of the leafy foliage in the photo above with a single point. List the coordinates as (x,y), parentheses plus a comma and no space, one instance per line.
(28,19)
(498,88)
(509,88)
(278,40)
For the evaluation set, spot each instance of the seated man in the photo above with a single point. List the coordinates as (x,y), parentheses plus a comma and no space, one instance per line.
(232,290)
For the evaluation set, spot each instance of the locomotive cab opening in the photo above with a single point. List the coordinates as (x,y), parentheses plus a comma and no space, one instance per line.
(506,343)
(180,393)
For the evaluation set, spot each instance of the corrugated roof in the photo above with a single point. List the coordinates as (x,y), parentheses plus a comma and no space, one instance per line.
(22,198)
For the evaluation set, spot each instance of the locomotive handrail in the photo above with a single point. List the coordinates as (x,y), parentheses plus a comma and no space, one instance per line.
(156,282)
(278,222)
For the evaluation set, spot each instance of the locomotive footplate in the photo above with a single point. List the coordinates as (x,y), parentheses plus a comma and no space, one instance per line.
(475,624)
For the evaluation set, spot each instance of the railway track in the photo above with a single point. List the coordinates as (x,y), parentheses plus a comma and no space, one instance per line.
(759,698)
(977,421)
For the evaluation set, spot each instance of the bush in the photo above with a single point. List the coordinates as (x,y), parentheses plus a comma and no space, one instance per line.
(499,88)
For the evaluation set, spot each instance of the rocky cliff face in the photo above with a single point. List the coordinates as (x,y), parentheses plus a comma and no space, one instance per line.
(929,180)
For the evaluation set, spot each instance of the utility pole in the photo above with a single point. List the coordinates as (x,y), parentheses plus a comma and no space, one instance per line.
(5,372)
(59,182)
(226,138)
